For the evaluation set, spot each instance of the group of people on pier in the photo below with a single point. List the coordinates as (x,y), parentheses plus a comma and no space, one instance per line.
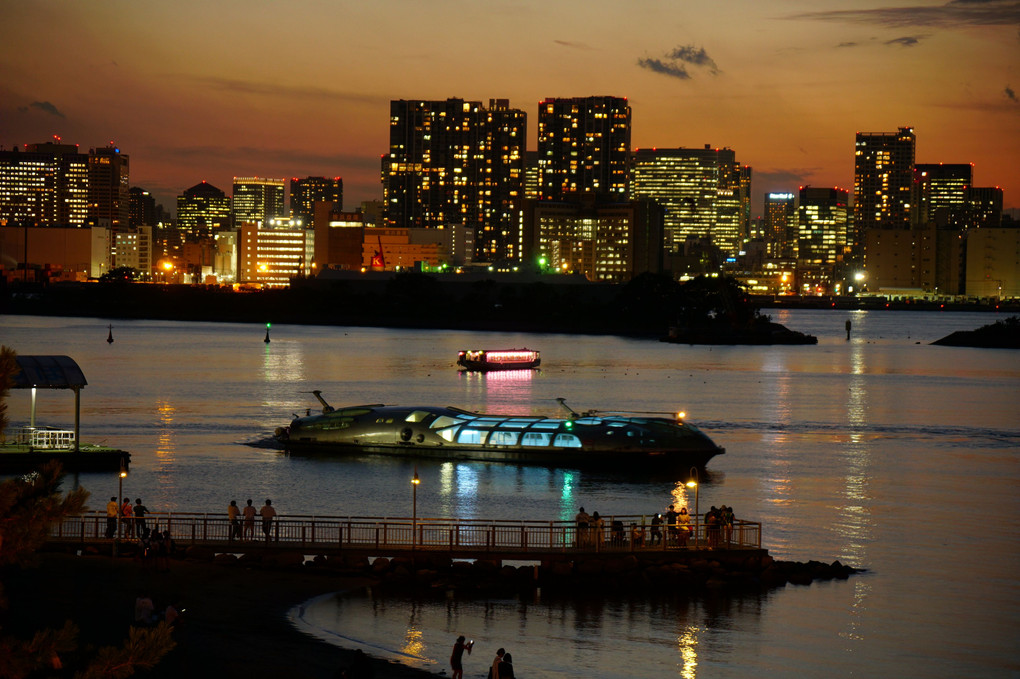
(674,528)
(245,530)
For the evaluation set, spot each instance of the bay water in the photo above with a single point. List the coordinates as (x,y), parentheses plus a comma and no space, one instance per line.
(881,451)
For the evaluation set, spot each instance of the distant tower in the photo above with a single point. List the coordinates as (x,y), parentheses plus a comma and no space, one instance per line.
(822,221)
(305,193)
(109,187)
(940,193)
(781,230)
(142,208)
(883,182)
(202,210)
(584,147)
(257,200)
(44,184)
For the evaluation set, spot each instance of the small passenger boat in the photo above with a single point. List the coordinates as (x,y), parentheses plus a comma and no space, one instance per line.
(508,359)
(578,440)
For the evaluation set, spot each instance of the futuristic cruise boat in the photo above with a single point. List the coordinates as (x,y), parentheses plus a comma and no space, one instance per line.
(579,440)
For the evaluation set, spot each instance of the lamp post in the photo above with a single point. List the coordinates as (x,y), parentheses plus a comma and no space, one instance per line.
(693,483)
(414,507)
(120,494)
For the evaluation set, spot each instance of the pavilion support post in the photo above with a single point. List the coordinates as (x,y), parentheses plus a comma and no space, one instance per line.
(77,416)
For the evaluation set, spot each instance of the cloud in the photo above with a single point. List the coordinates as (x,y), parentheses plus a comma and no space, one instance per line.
(675,62)
(953,13)
(848,44)
(1011,95)
(573,45)
(659,66)
(288,91)
(45,107)
(696,57)
(905,41)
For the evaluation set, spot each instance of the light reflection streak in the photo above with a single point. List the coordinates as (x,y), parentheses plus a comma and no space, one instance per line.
(414,639)
(687,644)
(165,449)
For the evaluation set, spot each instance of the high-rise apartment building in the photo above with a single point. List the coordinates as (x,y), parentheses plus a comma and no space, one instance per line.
(780,225)
(45,185)
(109,188)
(456,162)
(883,182)
(822,225)
(940,194)
(256,200)
(703,191)
(202,210)
(305,193)
(142,208)
(584,147)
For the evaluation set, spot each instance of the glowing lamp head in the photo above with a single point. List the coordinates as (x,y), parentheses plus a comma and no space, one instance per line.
(680,415)
(692,484)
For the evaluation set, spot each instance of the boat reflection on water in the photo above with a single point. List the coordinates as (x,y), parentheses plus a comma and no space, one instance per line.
(510,359)
(591,439)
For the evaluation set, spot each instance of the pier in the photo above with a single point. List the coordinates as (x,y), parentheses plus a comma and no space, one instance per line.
(468,539)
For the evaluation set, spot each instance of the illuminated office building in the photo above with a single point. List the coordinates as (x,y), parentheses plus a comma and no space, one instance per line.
(257,200)
(984,204)
(780,225)
(822,225)
(44,185)
(305,193)
(704,192)
(271,255)
(456,162)
(940,194)
(202,210)
(606,241)
(109,188)
(142,209)
(584,147)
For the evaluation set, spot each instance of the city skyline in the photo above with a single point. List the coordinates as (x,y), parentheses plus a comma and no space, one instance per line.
(304,89)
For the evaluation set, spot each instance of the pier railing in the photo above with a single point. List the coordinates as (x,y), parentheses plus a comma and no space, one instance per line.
(464,537)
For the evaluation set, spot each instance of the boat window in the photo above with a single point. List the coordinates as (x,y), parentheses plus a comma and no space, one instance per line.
(617,424)
(384,420)
(471,436)
(535,438)
(337,423)
(417,416)
(354,412)
(486,422)
(504,438)
(516,424)
(567,441)
(546,424)
(591,421)
(449,434)
(445,421)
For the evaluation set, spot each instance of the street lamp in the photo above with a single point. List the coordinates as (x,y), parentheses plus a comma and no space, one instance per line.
(693,483)
(120,494)
(414,507)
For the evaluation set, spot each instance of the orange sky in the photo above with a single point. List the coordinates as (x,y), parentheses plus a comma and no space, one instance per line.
(197,91)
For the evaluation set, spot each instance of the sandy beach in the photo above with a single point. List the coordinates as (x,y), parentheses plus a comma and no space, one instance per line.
(234,623)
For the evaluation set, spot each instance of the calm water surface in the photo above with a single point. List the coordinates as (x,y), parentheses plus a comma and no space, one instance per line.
(883,452)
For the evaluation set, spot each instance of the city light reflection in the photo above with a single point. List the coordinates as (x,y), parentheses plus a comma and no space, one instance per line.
(687,644)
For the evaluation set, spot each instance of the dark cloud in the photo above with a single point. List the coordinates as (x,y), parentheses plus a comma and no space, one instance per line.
(672,70)
(1011,95)
(848,44)
(905,41)
(572,45)
(696,57)
(45,107)
(675,62)
(954,13)
(290,91)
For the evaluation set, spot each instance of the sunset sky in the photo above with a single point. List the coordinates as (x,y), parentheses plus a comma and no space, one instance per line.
(210,90)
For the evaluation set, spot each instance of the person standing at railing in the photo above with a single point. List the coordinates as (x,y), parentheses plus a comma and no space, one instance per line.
(582,521)
(249,521)
(683,520)
(597,527)
(656,532)
(127,517)
(726,519)
(112,512)
(233,512)
(140,511)
(672,529)
(268,514)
